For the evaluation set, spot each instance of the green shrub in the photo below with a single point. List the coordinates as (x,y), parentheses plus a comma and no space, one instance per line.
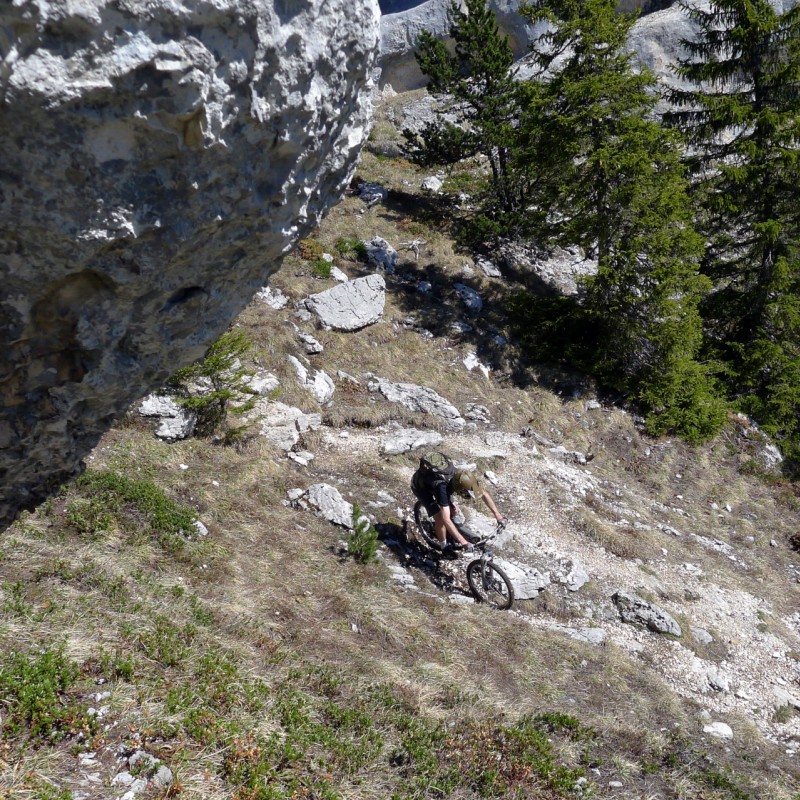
(166,642)
(117,665)
(351,248)
(322,268)
(217,384)
(34,693)
(362,541)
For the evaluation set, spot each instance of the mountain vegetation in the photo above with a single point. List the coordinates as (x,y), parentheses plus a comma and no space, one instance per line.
(693,221)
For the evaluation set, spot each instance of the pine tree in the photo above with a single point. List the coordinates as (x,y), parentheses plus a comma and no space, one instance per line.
(477,86)
(610,180)
(743,120)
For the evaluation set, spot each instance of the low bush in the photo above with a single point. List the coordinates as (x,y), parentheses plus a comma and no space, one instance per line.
(34,690)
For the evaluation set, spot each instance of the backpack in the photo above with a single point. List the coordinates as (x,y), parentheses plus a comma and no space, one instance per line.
(436,468)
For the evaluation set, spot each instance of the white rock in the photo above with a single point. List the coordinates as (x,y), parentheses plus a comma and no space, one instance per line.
(526,580)
(263,383)
(719,729)
(200,528)
(432,184)
(471,361)
(352,305)
(274,298)
(176,422)
(338,275)
(329,504)
(321,385)
(251,116)
(311,345)
(488,268)
(421,399)
(409,439)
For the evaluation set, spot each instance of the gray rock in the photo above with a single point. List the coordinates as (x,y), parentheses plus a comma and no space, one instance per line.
(381,254)
(302,457)
(175,421)
(576,576)
(701,635)
(372,193)
(163,777)
(282,424)
(477,413)
(570,455)
(400,31)
(488,269)
(635,610)
(526,580)
(718,681)
(338,275)
(421,399)
(469,297)
(350,306)
(263,383)
(311,345)
(172,154)
(786,698)
(410,439)
(589,635)
(328,503)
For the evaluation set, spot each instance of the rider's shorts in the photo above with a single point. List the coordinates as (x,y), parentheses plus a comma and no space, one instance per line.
(439,499)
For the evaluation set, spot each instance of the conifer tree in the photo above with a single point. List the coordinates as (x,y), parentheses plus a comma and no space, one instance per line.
(477,84)
(610,180)
(743,120)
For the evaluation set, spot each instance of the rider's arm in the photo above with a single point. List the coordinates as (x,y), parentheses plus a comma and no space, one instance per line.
(487,498)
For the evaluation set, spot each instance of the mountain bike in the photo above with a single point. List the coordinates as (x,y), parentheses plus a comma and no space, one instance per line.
(487,581)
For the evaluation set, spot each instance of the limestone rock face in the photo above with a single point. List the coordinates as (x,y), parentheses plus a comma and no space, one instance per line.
(159,159)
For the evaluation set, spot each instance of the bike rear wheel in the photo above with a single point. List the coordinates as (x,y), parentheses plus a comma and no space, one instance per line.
(489,584)
(424,525)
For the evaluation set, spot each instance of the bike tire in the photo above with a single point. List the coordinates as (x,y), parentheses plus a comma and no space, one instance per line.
(489,584)
(424,525)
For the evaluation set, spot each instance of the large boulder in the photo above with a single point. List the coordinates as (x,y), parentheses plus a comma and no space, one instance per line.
(350,306)
(159,160)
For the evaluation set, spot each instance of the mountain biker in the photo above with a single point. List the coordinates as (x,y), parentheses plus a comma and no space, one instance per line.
(434,483)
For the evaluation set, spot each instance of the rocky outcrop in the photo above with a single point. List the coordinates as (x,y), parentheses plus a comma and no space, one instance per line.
(159,159)
(421,399)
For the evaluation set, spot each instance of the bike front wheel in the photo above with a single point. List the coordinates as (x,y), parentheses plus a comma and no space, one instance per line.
(489,584)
